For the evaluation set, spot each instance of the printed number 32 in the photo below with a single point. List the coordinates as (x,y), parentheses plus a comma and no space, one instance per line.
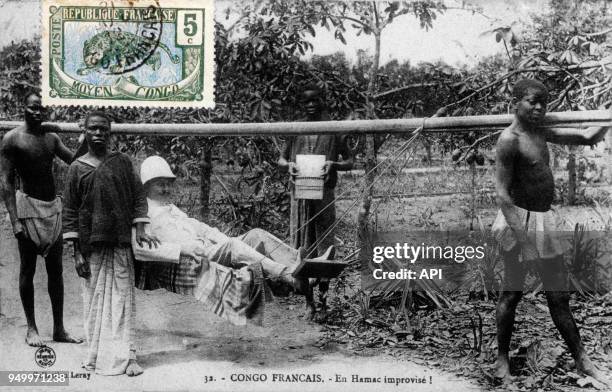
(191,27)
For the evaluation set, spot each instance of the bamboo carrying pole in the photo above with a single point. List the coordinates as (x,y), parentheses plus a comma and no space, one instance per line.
(578,119)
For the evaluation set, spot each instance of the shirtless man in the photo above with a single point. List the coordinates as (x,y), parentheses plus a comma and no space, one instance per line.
(525,190)
(35,211)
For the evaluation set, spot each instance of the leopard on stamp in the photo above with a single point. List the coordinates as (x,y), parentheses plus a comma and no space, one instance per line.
(100,51)
(144,53)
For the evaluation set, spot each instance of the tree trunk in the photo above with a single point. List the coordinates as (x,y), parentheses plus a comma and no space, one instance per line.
(370,163)
(608,151)
(370,148)
(473,206)
(427,145)
(571,182)
(205,172)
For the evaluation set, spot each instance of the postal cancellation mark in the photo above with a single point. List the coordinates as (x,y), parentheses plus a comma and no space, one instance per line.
(145,53)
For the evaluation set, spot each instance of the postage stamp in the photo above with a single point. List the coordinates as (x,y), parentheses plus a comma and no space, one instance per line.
(128,53)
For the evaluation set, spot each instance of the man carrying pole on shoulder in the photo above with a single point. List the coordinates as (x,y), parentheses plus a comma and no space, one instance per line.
(526,223)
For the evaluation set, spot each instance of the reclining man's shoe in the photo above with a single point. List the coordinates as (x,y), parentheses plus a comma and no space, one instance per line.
(320,267)
(329,254)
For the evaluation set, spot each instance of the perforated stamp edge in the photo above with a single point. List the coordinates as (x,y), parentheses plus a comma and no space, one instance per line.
(51,98)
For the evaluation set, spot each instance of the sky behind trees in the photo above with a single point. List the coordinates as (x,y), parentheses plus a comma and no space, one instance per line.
(456,38)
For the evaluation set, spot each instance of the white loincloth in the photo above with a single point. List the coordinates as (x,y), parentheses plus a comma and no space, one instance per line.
(42,220)
(540,227)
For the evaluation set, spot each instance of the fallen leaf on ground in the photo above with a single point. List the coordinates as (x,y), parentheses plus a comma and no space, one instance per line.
(588,380)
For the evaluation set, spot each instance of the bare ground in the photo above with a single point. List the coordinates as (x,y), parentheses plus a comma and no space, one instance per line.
(179,343)
(451,338)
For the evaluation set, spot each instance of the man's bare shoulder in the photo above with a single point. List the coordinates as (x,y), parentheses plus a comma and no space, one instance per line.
(508,139)
(13,133)
(54,137)
(50,128)
(50,131)
(10,138)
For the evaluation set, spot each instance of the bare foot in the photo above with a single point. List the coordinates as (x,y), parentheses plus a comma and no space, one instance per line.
(320,316)
(301,286)
(65,337)
(309,313)
(33,339)
(586,367)
(502,370)
(133,369)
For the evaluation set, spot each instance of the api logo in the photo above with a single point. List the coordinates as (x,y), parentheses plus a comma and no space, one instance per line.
(45,357)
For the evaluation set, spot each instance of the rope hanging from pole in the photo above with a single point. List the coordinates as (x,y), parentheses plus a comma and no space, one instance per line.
(396,155)
(392,161)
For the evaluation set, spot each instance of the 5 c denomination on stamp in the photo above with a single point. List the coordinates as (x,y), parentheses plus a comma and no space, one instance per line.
(128,53)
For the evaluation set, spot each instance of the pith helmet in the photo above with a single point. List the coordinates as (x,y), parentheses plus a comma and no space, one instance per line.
(155,167)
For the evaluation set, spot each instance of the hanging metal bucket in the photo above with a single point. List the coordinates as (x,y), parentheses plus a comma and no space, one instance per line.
(309,182)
